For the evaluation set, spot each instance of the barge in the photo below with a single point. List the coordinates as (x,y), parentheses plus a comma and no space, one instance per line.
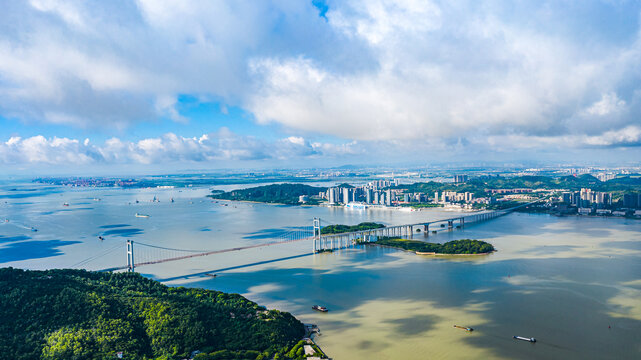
(319,308)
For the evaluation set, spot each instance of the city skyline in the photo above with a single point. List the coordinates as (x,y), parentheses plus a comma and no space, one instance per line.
(146,86)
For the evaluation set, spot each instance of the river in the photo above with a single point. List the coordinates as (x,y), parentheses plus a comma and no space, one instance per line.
(573,283)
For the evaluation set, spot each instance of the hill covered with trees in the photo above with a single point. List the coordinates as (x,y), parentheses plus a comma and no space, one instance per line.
(479,186)
(464,246)
(75,314)
(275,193)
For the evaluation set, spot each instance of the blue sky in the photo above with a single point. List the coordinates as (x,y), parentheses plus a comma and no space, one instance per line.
(94,85)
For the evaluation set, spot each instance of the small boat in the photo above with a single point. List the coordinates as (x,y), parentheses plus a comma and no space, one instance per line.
(532,340)
(65,204)
(142,215)
(211,275)
(33,229)
(464,328)
(100,238)
(319,308)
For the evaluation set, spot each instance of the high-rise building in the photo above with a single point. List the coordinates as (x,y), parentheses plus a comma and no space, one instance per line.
(631,200)
(605,177)
(368,196)
(346,195)
(460,178)
(603,198)
(331,195)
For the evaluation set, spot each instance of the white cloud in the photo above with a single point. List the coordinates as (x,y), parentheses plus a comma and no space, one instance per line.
(609,103)
(373,70)
(169,148)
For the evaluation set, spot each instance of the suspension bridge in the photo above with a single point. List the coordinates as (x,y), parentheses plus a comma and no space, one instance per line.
(147,254)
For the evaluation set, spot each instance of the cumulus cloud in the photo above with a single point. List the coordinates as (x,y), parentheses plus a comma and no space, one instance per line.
(443,72)
(368,71)
(166,149)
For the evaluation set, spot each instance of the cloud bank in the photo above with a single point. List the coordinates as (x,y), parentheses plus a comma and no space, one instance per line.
(167,149)
(526,75)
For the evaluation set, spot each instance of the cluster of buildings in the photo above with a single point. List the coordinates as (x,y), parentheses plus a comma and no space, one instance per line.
(588,202)
(587,198)
(453,196)
(379,193)
(371,193)
(460,179)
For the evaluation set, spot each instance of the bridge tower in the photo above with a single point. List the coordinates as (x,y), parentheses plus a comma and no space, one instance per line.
(317,233)
(130,256)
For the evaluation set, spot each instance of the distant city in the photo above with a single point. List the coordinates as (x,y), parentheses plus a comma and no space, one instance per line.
(561,190)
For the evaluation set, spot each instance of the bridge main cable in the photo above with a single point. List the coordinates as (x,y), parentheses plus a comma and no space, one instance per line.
(212,252)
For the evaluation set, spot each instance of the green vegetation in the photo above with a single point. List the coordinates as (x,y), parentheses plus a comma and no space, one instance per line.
(480,185)
(465,246)
(298,352)
(338,229)
(75,314)
(275,193)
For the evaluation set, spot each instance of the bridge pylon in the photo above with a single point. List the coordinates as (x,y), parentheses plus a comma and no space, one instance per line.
(130,256)
(317,233)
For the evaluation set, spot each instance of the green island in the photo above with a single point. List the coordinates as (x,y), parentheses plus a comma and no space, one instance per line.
(276,193)
(340,228)
(76,314)
(454,247)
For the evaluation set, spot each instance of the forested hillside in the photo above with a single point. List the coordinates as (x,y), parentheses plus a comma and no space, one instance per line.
(275,193)
(75,314)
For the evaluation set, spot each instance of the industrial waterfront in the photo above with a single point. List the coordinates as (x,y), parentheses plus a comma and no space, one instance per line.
(573,283)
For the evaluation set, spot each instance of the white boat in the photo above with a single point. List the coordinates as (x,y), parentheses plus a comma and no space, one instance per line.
(356,206)
(532,340)
(142,215)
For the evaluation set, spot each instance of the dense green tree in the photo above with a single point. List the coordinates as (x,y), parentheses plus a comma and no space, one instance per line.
(340,228)
(464,246)
(275,193)
(75,314)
